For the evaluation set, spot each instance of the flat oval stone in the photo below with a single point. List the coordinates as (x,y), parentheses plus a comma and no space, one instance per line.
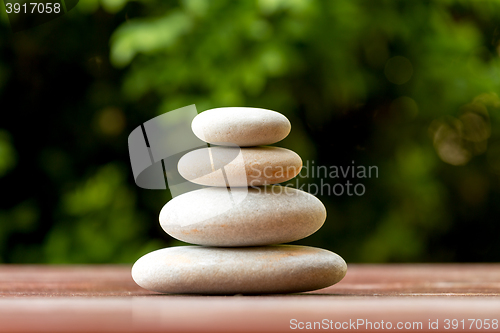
(230,166)
(241,126)
(257,270)
(243,216)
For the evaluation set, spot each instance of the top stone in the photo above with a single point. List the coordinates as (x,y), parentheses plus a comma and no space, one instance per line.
(241,126)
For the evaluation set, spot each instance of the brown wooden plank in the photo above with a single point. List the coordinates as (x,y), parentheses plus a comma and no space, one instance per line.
(105,299)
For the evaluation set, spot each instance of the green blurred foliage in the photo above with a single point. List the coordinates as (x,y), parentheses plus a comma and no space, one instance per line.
(408,86)
(7,153)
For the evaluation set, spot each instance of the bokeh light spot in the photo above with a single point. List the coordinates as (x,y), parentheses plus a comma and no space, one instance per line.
(398,70)
(475,120)
(404,108)
(448,142)
(111,121)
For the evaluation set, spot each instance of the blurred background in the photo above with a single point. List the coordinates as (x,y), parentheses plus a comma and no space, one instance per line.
(407,86)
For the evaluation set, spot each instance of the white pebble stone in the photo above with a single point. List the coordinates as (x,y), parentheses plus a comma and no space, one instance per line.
(258,270)
(242,217)
(228,166)
(242,126)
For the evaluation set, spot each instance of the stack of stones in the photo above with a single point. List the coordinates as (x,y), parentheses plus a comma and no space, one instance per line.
(240,217)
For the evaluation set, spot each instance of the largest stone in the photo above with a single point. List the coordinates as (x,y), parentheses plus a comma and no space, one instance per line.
(243,217)
(258,270)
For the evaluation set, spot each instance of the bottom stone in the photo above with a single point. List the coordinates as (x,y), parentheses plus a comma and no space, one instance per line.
(251,270)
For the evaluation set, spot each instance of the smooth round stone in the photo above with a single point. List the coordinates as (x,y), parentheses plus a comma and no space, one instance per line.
(241,126)
(243,216)
(258,270)
(229,166)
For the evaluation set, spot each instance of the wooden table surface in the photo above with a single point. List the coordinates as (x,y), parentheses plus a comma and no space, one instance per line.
(370,298)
